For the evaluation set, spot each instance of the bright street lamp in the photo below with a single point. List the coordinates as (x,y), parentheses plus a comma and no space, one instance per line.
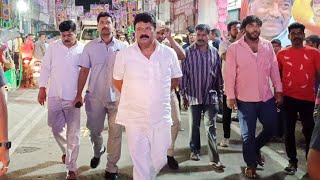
(22,6)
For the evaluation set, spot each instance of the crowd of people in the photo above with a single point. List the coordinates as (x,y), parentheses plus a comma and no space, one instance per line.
(143,87)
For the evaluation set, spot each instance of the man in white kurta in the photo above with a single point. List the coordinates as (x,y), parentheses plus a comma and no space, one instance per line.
(60,68)
(143,73)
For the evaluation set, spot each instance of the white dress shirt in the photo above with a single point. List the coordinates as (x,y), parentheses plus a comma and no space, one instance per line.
(145,94)
(60,68)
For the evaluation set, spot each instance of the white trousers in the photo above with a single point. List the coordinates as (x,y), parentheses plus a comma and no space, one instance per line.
(61,113)
(148,150)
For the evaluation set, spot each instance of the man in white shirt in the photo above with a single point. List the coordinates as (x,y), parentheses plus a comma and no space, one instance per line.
(145,73)
(60,66)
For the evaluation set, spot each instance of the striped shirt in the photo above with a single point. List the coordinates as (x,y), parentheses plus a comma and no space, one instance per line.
(202,79)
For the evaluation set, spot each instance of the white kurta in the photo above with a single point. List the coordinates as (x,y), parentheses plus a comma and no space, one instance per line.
(144,107)
(60,68)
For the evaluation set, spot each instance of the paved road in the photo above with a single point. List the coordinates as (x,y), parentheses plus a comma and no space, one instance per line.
(35,154)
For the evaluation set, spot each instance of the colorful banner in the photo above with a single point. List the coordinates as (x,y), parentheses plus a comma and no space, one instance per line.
(60,16)
(6,10)
(95,9)
(277,15)
(132,11)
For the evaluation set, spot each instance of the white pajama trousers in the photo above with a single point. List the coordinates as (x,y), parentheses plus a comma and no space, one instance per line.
(61,113)
(148,150)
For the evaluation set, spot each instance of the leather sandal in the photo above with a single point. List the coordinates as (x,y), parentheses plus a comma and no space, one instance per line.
(250,172)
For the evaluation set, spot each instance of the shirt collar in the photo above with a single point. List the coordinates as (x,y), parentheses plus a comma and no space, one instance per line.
(100,40)
(193,46)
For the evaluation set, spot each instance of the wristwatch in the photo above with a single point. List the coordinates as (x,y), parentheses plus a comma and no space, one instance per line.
(6,144)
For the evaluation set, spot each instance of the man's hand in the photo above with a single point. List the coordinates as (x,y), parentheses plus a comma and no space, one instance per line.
(185,103)
(167,33)
(4,159)
(232,104)
(78,99)
(279,98)
(42,95)
(220,103)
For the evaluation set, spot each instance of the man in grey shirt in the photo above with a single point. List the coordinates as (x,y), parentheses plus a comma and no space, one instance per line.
(101,98)
(40,47)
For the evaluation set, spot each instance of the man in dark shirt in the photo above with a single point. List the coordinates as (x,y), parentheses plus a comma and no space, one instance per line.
(201,89)
(215,36)
(191,36)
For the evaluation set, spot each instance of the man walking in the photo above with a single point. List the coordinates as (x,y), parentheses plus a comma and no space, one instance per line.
(250,64)
(233,30)
(40,47)
(146,73)
(60,66)
(299,66)
(202,89)
(162,34)
(101,98)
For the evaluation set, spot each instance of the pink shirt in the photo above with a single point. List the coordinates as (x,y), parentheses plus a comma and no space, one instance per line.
(248,74)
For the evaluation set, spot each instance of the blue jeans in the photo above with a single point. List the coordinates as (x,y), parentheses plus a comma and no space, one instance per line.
(248,113)
(210,114)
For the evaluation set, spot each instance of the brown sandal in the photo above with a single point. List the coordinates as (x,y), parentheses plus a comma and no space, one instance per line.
(250,173)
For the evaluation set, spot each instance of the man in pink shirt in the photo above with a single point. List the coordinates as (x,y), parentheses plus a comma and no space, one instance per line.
(250,64)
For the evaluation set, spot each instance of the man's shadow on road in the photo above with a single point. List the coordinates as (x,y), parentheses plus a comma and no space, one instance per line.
(22,173)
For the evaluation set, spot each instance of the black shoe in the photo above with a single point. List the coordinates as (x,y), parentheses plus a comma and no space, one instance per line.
(111,176)
(96,161)
(291,169)
(172,163)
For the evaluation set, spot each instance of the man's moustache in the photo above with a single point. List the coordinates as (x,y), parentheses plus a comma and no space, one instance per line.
(144,36)
(273,19)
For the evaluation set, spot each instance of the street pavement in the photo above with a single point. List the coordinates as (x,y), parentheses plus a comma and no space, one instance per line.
(35,155)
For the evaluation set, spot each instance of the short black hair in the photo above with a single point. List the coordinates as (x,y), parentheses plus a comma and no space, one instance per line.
(216,32)
(203,27)
(104,14)
(276,41)
(191,29)
(145,17)
(29,35)
(250,19)
(67,26)
(230,24)
(41,34)
(296,25)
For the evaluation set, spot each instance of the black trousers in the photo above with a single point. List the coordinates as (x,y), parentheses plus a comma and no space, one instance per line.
(292,107)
